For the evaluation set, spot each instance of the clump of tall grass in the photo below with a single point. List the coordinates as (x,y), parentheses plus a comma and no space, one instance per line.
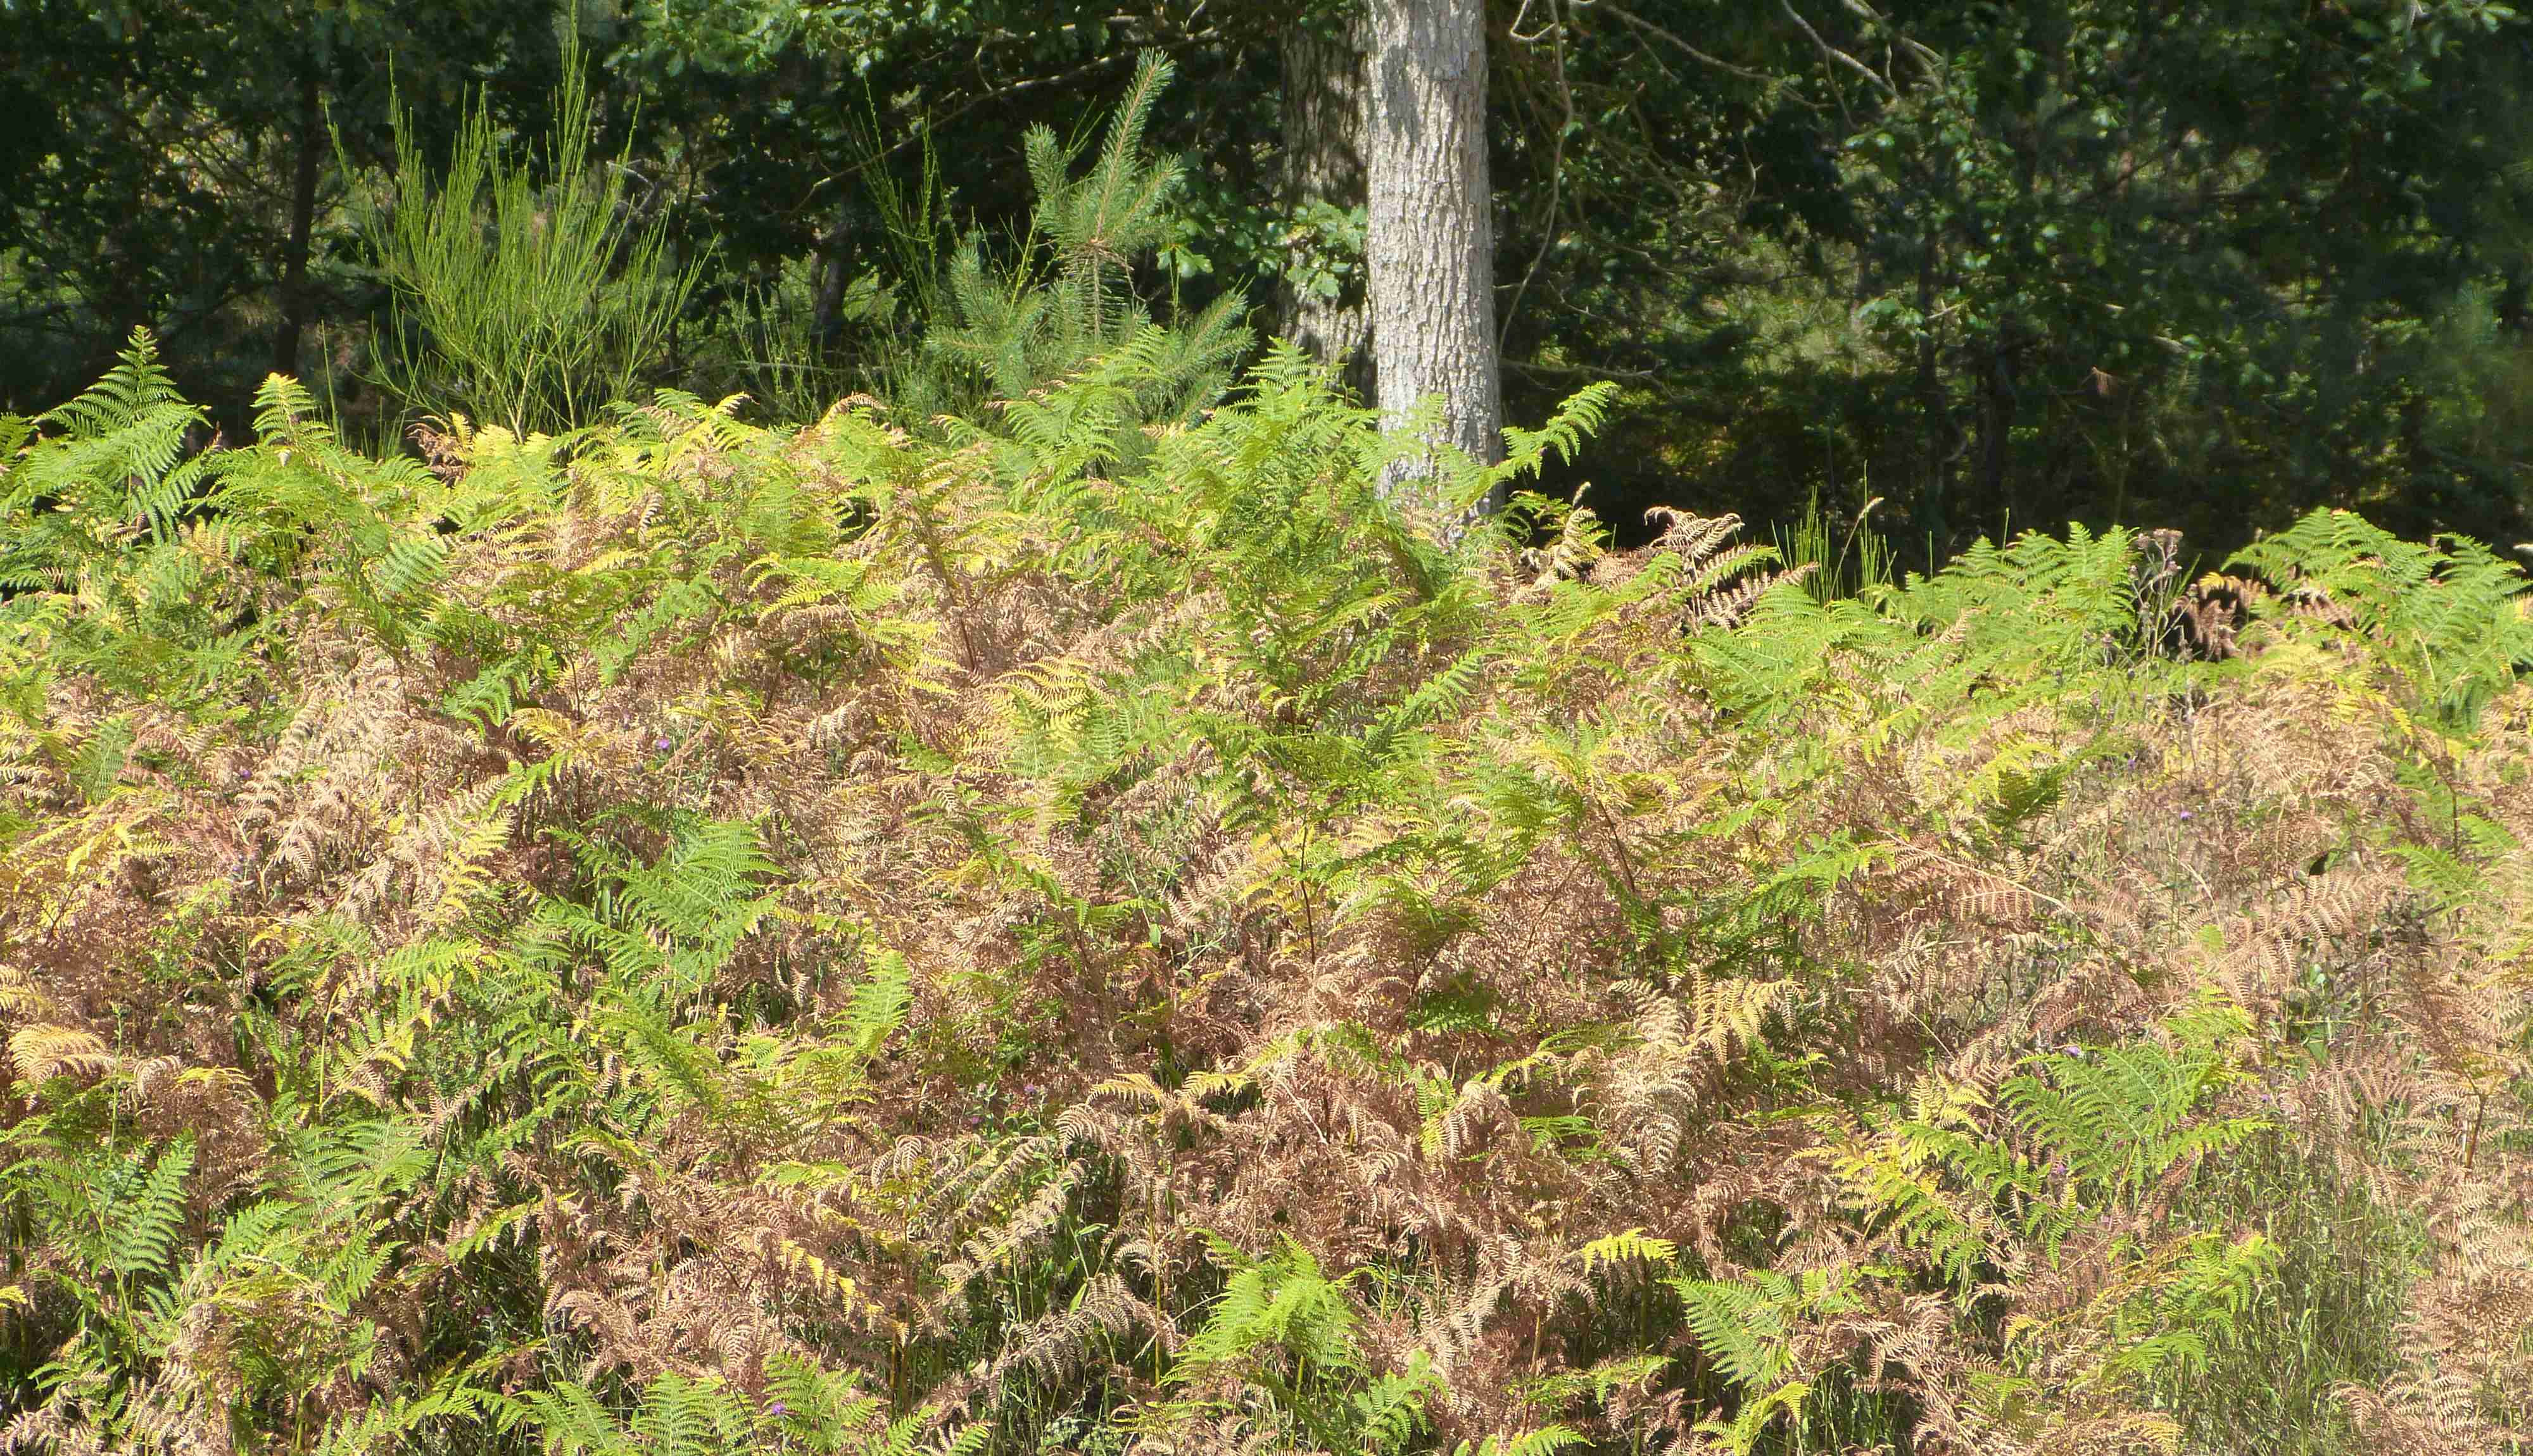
(526,288)
(1842,562)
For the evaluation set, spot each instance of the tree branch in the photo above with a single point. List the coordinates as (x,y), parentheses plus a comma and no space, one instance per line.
(1834,53)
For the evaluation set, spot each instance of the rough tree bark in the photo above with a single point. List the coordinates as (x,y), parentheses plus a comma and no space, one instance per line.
(1323,119)
(1431,245)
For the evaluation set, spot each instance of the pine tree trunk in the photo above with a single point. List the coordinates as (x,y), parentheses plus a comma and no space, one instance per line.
(1432,241)
(295,302)
(1939,436)
(1322,134)
(1996,410)
(827,305)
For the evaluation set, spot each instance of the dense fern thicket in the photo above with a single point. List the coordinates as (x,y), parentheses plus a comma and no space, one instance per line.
(1050,934)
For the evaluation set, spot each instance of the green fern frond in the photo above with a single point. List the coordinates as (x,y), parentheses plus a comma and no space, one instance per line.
(1633,1246)
(878,1006)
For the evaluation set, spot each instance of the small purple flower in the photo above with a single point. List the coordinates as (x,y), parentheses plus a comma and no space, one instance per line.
(662,743)
(2188,815)
(777,1409)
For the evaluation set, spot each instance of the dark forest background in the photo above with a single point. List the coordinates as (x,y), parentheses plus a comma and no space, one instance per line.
(2198,263)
